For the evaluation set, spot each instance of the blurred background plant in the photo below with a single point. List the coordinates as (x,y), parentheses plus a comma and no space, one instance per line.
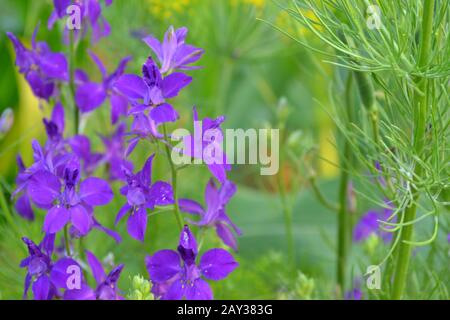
(258,77)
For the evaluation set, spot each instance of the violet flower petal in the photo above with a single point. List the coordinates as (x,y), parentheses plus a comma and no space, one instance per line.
(95,192)
(41,288)
(80,219)
(199,290)
(163,265)
(96,267)
(137,223)
(164,113)
(56,219)
(217,264)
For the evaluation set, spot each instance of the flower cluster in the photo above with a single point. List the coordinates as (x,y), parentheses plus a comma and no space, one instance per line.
(61,180)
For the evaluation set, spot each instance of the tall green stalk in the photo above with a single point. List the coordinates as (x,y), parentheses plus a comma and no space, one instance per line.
(173,170)
(344,225)
(420,112)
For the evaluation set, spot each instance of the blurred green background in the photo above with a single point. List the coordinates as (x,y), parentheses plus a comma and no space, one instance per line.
(251,73)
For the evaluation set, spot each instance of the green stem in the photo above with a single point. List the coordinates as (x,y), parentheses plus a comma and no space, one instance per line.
(67,240)
(344,227)
(173,170)
(420,98)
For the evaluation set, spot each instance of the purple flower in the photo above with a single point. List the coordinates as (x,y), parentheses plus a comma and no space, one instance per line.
(141,195)
(90,16)
(151,91)
(114,154)
(173,53)
(38,264)
(208,134)
(45,277)
(176,275)
(370,224)
(214,215)
(42,67)
(106,288)
(91,95)
(44,161)
(68,204)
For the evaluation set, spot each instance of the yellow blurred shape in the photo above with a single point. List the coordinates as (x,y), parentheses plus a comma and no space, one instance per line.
(27,127)
(327,150)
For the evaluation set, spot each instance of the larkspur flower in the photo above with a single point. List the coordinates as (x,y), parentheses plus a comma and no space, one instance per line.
(150,92)
(38,264)
(90,95)
(44,276)
(370,224)
(215,215)
(42,68)
(106,288)
(90,18)
(173,53)
(208,135)
(141,195)
(68,204)
(44,161)
(176,275)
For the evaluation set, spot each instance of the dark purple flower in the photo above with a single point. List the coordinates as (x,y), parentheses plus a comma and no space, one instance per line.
(90,95)
(106,288)
(68,204)
(371,222)
(45,277)
(173,53)
(208,135)
(90,18)
(38,264)
(215,215)
(42,67)
(115,153)
(141,195)
(176,275)
(150,92)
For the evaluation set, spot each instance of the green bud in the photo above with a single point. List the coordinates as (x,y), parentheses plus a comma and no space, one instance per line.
(304,287)
(140,289)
